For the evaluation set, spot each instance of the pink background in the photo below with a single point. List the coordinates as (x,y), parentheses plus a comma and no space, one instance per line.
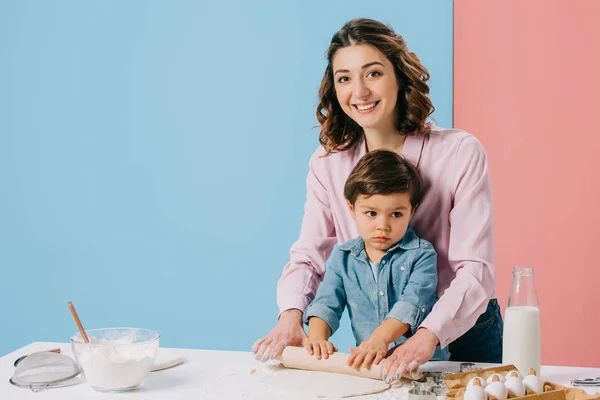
(527,84)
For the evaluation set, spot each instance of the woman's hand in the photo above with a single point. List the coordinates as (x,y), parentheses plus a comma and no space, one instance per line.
(370,351)
(287,332)
(409,355)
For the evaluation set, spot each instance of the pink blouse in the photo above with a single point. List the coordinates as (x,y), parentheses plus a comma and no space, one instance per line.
(456,216)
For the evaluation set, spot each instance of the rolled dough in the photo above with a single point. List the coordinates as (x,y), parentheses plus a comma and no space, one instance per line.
(298,375)
(278,382)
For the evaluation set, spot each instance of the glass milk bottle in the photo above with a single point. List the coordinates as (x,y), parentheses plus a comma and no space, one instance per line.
(522,339)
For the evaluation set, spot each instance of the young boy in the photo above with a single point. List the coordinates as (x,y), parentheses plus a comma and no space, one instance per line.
(387,276)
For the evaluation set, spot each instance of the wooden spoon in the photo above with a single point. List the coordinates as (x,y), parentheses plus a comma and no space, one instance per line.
(78,322)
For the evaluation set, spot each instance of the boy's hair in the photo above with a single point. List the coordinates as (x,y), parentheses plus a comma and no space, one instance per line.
(384,172)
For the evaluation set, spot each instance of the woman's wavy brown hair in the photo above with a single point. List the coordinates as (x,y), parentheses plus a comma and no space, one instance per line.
(339,132)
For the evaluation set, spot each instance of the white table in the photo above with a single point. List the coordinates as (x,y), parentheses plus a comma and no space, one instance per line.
(201,367)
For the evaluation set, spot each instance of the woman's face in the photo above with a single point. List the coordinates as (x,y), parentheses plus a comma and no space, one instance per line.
(366,86)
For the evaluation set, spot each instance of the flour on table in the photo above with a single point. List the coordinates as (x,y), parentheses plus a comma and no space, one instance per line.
(166,359)
(276,382)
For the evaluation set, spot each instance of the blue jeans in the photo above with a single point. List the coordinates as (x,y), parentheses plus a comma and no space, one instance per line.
(483,342)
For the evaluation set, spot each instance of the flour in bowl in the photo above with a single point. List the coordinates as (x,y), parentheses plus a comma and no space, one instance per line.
(116,364)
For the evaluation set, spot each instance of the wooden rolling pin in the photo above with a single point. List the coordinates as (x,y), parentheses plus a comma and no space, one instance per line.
(298,358)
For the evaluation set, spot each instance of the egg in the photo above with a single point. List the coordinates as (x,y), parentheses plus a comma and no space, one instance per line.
(532,382)
(500,378)
(480,380)
(515,373)
(496,389)
(474,390)
(514,386)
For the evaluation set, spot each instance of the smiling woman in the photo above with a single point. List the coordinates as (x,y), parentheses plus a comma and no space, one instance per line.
(366,92)
(378,86)
(374,95)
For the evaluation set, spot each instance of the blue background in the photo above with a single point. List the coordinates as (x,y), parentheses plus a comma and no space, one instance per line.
(153,157)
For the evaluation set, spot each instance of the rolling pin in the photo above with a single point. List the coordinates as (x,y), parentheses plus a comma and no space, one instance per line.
(298,358)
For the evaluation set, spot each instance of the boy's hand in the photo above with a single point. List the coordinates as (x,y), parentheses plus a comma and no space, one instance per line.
(321,348)
(372,350)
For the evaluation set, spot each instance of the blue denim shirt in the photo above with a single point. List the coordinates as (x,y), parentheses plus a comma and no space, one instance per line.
(405,288)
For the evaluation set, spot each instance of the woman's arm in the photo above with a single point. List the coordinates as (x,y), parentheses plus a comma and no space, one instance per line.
(300,279)
(301,276)
(471,249)
(470,255)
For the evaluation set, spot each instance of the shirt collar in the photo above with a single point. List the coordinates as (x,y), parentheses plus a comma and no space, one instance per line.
(412,149)
(409,241)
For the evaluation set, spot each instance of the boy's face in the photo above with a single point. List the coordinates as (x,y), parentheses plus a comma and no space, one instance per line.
(382,221)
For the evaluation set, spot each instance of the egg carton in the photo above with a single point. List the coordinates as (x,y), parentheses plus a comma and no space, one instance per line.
(456,385)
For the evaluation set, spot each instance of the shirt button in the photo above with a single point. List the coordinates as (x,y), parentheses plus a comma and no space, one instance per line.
(402,268)
(381,293)
(422,309)
(383,262)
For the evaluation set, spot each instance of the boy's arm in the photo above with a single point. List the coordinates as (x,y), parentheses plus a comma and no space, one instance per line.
(374,349)
(318,329)
(390,330)
(330,301)
(419,295)
(408,312)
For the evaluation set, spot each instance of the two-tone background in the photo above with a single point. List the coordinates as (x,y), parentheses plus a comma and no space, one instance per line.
(153,156)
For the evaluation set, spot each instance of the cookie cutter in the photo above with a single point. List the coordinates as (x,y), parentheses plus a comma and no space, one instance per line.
(586,382)
(440,390)
(432,382)
(420,394)
(468,366)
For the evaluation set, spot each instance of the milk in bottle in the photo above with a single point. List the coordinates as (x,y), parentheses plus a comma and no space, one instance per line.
(522,338)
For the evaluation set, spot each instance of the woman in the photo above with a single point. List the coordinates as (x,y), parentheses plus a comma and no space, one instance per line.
(374,95)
